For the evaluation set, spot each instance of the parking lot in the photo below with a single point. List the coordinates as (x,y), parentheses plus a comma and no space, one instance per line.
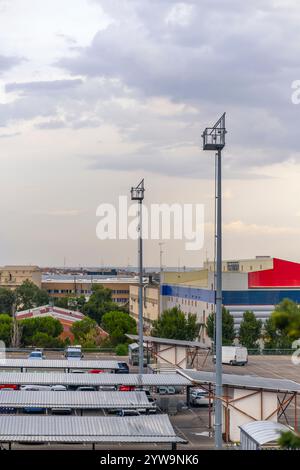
(192,424)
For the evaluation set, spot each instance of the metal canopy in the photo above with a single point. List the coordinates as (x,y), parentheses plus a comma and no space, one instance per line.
(93,429)
(243,381)
(173,342)
(57,364)
(54,378)
(74,400)
(262,432)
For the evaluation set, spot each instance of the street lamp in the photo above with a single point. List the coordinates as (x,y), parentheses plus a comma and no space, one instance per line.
(160,276)
(214,139)
(137,194)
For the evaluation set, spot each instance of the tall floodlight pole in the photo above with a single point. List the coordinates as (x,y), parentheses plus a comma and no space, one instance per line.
(214,139)
(160,276)
(137,194)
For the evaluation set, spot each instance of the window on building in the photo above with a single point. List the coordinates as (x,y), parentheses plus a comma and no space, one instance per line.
(233,266)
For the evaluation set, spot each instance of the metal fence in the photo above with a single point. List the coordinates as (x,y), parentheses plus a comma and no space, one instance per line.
(271,352)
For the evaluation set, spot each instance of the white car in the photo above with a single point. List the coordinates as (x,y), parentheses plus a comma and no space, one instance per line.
(199,397)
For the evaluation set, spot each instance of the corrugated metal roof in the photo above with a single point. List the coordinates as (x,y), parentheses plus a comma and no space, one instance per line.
(57,364)
(152,428)
(243,381)
(74,399)
(263,432)
(54,378)
(175,342)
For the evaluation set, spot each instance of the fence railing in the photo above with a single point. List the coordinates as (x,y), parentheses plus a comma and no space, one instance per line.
(271,352)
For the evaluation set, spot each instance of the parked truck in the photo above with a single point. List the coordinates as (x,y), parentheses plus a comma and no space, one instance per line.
(234,355)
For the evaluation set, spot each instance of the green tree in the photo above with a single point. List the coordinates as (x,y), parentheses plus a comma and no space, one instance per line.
(6,325)
(275,338)
(61,302)
(28,295)
(228,331)
(117,324)
(175,324)
(31,327)
(250,330)
(43,340)
(99,303)
(286,318)
(85,332)
(289,440)
(7,299)
(70,302)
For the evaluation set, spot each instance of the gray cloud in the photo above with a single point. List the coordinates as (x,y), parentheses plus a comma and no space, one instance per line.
(53,86)
(7,62)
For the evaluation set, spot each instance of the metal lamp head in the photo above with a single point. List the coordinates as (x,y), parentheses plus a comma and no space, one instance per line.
(214,137)
(137,193)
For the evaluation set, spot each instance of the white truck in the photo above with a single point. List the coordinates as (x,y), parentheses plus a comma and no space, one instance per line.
(234,355)
(73,353)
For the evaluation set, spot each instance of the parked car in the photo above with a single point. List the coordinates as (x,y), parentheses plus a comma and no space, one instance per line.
(9,387)
(86,389)
(123,368)
(107,388)
(234,355)
(166,390)
(199,397)
(73,353)
(126,388)
(128,413)
(36,355)
(96,371)
(61,411)
(58,388)
(35,388)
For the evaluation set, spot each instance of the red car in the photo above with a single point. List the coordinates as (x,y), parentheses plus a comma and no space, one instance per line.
(12,386)
(96,371)
(126,388)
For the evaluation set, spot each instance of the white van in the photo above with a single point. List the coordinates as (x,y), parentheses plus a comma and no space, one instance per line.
(234,355)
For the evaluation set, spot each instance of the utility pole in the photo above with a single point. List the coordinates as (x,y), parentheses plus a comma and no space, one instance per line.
(137,194)
(160,277)
(214,139)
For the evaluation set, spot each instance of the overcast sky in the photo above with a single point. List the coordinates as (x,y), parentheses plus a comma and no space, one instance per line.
(96,94)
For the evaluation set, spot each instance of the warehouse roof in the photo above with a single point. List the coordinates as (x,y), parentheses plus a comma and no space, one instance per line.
(94,429)
(243,381)
(57,364)
(174,342)
(263,432)
(54,378)
(74,399)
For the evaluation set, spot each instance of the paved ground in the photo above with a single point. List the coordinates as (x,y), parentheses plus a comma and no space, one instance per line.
(192,424)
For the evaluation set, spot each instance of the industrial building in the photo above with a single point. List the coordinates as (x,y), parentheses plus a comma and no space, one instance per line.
(62,285)
(258,285)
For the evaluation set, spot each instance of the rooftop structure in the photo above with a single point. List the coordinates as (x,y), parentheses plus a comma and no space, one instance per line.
(92,429)
(104,379)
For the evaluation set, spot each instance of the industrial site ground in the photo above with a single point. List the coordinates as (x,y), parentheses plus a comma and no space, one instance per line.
(190,424)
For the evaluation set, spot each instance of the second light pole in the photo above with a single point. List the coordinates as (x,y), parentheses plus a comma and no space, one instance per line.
(137,194)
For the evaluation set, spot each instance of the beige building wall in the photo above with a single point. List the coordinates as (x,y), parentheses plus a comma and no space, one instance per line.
(14,276)
(56,288)
(260,406)
(192,278)
(150,307)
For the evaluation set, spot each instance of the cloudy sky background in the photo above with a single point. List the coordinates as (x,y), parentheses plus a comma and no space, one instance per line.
(95,94)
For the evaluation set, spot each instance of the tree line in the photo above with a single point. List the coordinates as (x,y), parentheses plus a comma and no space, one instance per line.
(100,311)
